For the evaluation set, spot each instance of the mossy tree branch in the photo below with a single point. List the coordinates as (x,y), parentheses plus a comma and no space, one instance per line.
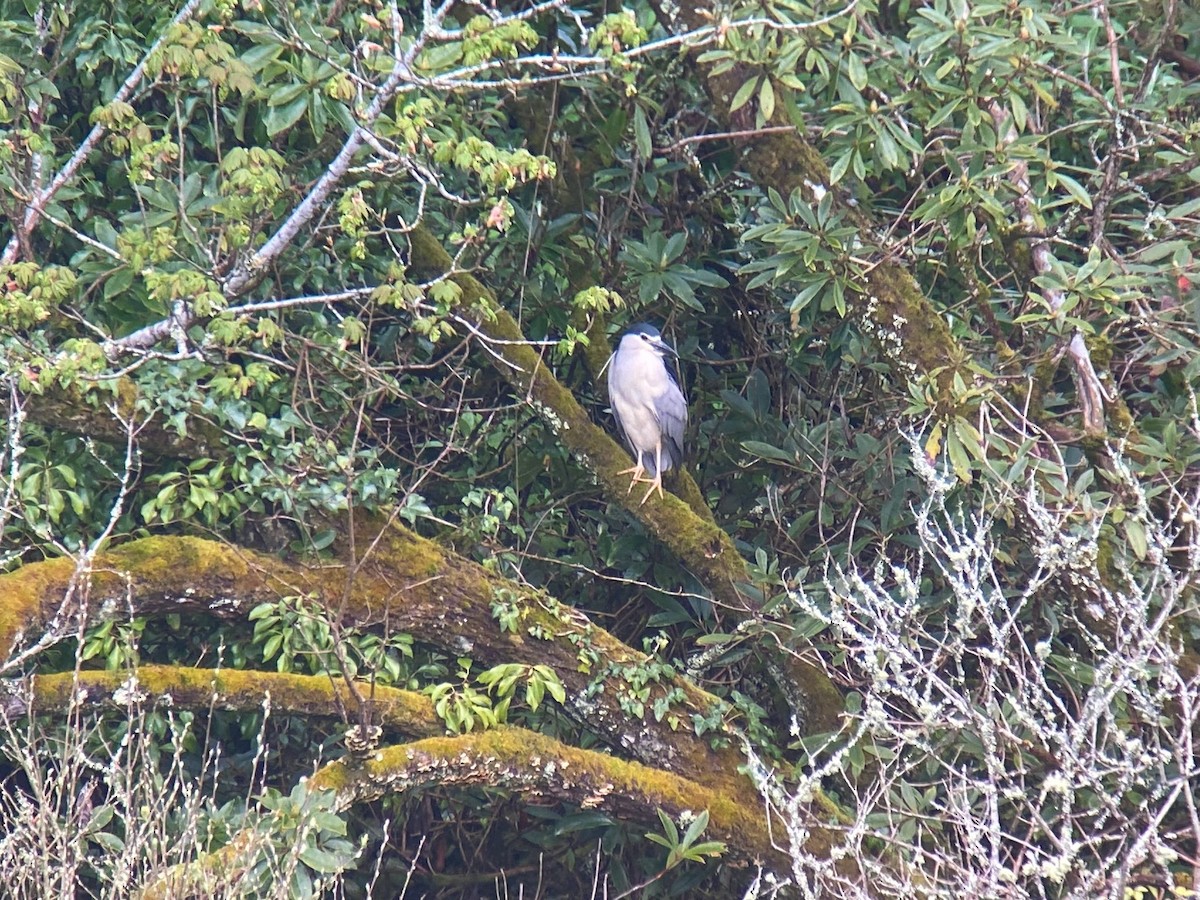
(406,712)
(405,583)
(519,762)
(110,412)
(703,547)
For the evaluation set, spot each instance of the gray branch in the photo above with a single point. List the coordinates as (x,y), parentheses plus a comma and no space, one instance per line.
(244,276)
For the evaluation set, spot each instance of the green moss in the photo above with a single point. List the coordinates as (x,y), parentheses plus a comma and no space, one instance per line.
(597,352)
(524,761)
(1043,377)
(28,592)
(414,555)
(406,711)
(1121,418)
(1100,349)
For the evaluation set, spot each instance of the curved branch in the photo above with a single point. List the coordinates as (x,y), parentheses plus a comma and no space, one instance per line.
(407,712)
(518,762)
(530,763)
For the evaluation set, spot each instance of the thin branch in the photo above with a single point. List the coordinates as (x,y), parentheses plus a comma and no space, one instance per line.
(1092,394)
(728,135)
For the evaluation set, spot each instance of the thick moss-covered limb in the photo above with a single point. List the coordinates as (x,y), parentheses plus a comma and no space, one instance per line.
(574,171)
(516,762)
(406,583)
(536,766)
(703,547)
(407,712)
(109,412)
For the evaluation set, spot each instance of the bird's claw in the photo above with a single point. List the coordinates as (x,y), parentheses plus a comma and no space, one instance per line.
(655,483)
(638,472)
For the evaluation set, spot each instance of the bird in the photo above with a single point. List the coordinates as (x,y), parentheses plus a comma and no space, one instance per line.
(648,404)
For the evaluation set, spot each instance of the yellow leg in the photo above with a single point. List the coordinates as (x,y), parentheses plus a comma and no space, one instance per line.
(637,471)
(656,481)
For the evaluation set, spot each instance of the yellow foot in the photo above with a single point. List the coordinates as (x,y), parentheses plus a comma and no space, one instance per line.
(655,484)
(638,472)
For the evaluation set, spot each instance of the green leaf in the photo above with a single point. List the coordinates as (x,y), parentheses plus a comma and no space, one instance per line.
(674,246)
(806,296)
(706,278)
(840,166)
(1135,532)
(696,828)
(108,841)
(535,690)
(766,99)
(641,133)
(856,71)
(320,860)
(1189,208)
(281,118)
(743,95)
(271,647)
(1019,110)
(958,457)
(889,153)
(287,94)
(767,451)
(1075,189)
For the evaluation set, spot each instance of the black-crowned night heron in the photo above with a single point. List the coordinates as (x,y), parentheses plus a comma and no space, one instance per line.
(649,407)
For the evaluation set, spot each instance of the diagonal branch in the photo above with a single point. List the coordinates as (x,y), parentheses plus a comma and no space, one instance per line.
(1090,391)
(703,547)
(406,584)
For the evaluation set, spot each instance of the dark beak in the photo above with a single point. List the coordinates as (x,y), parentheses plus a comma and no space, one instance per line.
(663,347)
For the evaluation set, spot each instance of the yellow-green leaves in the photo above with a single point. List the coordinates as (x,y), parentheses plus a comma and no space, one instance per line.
(30,293)
(485,40)
(251,180)
(616,32)
(192,51)
(597,299)
(201,292)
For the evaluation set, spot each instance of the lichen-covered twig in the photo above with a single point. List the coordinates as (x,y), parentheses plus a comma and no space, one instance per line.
(1090,391)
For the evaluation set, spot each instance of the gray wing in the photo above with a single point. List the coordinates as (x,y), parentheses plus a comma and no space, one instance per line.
(671,411)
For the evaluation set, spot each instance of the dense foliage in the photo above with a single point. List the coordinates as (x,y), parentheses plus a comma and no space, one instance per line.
(931,269)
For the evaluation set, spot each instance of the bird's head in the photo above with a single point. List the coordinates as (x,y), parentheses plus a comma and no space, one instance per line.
(646,338)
